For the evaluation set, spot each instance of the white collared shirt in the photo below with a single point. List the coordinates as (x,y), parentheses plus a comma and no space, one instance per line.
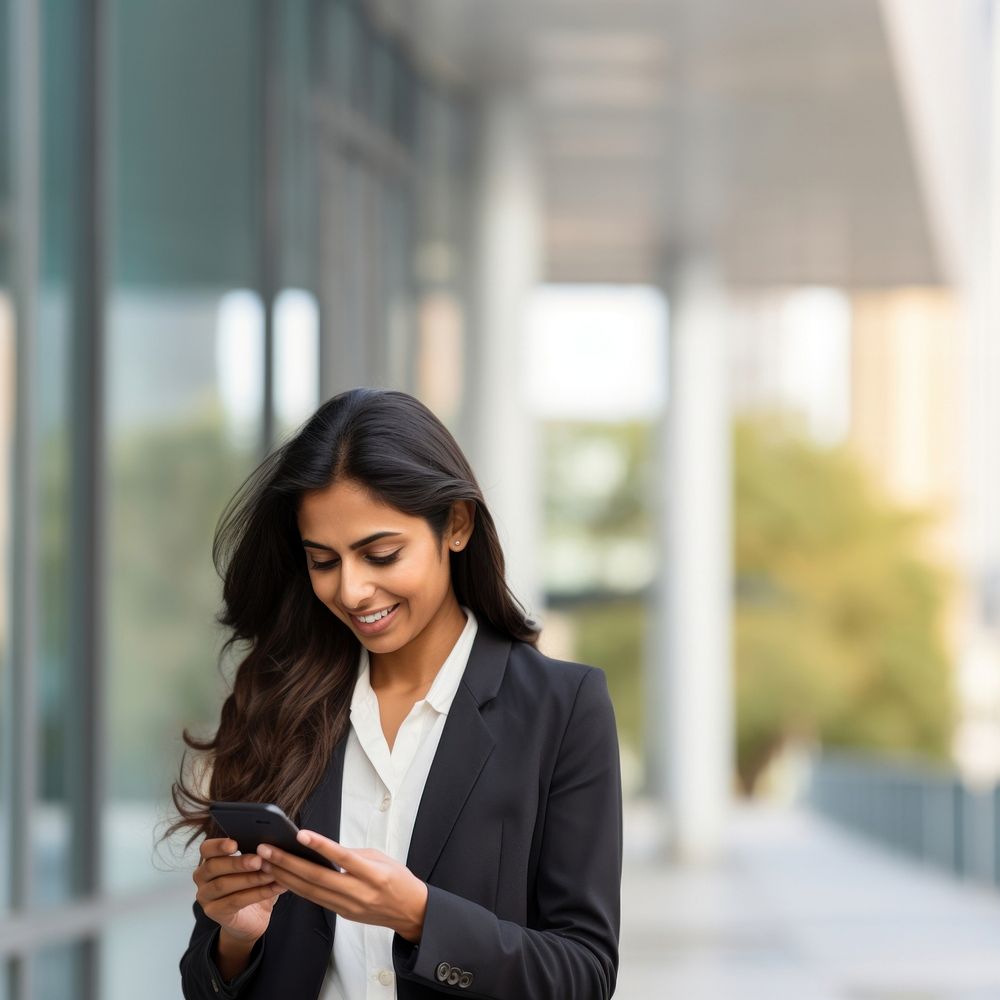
(381,793)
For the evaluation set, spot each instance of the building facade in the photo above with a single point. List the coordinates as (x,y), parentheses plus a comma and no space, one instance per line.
(211,217)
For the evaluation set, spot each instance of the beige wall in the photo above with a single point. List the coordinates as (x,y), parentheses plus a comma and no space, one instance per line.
(904,401)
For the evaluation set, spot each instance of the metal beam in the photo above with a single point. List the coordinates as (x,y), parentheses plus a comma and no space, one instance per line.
(24,619)
(87,671)
(37,930)
(269,230)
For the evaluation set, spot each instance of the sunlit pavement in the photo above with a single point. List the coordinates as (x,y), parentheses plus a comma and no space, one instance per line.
(801,910)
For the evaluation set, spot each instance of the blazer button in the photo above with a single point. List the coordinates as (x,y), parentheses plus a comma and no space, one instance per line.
(442,972)
(466,980)
(454,975)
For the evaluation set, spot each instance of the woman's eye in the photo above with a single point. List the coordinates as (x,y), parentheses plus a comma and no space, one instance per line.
(322,565)
(384,560)
(376,560)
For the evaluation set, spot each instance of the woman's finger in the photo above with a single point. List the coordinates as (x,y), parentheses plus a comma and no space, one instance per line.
(216,867)
(216,846)
(343,857)
(341,897)
(223,908)
(226,885)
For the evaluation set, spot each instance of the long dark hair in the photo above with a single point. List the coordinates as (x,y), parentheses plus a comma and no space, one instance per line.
(290,700)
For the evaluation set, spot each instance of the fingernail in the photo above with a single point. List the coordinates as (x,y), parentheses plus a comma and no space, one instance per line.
(264,851)
(265,867)
(304,837)
(253,862)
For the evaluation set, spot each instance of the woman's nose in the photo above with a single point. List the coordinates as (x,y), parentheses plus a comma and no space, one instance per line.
(355,586)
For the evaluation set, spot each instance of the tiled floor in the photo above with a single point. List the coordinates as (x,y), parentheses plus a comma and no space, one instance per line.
(800,910)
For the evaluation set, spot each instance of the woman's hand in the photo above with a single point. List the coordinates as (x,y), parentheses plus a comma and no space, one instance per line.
(234,892)
(371,887)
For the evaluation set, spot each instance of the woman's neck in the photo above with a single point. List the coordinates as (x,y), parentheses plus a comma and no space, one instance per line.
(415,666)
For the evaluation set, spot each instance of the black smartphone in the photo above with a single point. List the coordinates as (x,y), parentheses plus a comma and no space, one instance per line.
(253,823)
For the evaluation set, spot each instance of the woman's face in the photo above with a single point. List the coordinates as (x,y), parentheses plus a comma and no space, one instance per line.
(381,572)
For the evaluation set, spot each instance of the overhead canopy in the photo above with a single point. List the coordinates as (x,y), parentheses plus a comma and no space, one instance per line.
(769,135)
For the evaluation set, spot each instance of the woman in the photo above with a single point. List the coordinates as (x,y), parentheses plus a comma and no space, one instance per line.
(392,701)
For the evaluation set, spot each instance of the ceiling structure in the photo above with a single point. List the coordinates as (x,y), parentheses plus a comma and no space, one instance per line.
(768,135)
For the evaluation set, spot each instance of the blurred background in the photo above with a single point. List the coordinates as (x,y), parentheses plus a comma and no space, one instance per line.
(709,293)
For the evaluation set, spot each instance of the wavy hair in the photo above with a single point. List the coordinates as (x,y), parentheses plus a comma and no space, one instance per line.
(290,699)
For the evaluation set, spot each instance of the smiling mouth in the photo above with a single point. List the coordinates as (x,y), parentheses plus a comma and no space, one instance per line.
(375,615)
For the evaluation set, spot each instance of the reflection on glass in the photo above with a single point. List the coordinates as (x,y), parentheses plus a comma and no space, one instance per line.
(346,52)
(182,435)
(440,361)
(7,388)
(297,47)
(144,949)
(6,454)
(56,973)
(184,348)
(240,372)
(53,840)
(296,358)
(396,294)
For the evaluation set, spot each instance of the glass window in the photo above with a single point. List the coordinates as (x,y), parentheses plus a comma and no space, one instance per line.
(56,973)
(396,294)
(7,402)
(296,359)
(298,196)
(6,145)
(145,948)
(344,52)
(185,356)
(383,79)
(437,220)
(55,877)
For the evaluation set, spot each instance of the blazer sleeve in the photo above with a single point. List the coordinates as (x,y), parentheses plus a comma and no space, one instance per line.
(200,977)
(466,950)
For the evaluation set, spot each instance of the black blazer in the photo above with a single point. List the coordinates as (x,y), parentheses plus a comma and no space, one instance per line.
(518,836)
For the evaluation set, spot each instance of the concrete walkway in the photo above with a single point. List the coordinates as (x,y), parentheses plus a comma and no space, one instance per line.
(801,910)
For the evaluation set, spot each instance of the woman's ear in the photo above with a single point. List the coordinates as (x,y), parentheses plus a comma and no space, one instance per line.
(463,522)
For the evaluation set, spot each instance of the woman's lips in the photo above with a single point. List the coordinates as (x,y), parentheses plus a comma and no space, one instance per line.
(373,628)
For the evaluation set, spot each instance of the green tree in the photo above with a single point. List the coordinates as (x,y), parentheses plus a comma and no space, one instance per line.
(596,504)
(838,613)
(171,483)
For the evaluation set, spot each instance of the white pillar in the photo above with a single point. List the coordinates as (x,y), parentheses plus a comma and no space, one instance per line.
(505,447)
(690,715)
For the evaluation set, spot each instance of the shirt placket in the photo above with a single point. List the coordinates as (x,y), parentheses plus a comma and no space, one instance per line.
(380,978)
(381,832)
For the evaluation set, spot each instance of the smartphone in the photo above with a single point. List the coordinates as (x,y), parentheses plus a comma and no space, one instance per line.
(253,823)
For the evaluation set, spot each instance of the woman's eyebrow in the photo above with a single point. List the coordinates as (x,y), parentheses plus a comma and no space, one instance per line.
(306,544)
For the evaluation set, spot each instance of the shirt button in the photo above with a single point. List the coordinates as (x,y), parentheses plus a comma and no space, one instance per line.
(384,804)
(385,977)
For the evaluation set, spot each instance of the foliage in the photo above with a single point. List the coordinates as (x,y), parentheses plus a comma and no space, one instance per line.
(583,491)
(596,498)
(170,484)
(838,613)
(612,635)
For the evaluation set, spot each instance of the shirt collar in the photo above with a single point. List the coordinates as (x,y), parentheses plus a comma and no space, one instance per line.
(442,690)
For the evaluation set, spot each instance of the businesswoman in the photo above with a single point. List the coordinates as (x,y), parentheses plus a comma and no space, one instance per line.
(391,699)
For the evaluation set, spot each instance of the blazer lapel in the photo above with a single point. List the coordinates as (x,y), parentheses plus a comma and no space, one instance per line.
(466,744)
